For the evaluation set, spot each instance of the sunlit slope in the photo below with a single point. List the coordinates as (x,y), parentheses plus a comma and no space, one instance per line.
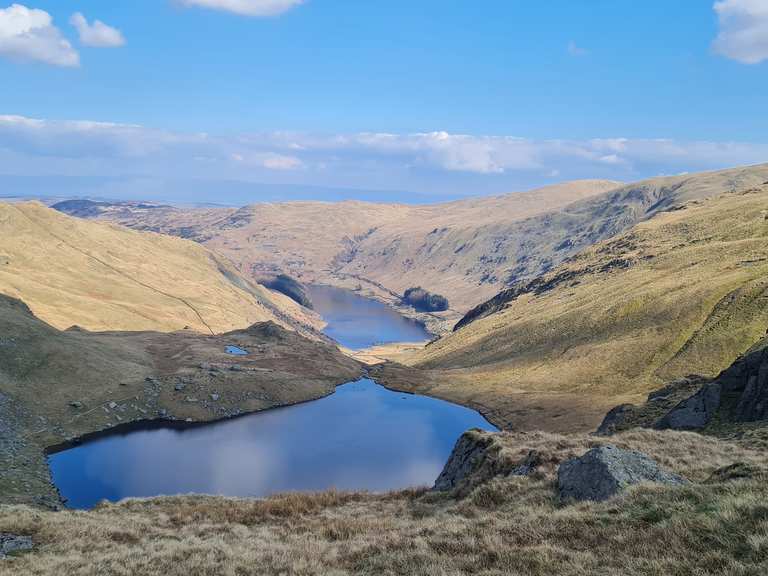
(105,277)
(457,249)
(683,292)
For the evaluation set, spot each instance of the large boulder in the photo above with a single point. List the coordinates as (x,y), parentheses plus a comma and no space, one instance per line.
(10,544)
(607,470)
(477,457)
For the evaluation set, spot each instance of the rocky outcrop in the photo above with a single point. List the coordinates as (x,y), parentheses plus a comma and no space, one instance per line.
(477,457)
(605,471)
(695,412)
(615,419)
(659,403)
(745,385)
(738,394)
(11,544)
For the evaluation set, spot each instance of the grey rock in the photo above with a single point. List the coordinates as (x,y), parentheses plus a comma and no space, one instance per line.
(10,543)
(215,397)
(477,457)
(466,457)
(162,412)
(753,403)
(112,405)
(614,419)
(695,412)
(180,387)
(76,404)
(605,471)
(527,466)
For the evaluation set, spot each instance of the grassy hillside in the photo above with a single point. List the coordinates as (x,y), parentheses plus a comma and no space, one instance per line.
(104,277)
(455,249)
(506,525)
(467,250)
(58,385)
(683,292)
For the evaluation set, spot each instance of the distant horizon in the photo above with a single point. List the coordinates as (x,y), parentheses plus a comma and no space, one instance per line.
(398,101)
(240,193)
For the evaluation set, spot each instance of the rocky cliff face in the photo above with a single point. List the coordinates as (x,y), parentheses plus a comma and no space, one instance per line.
(739,394)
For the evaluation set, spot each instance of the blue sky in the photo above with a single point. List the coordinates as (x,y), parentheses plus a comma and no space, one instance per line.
(441,98)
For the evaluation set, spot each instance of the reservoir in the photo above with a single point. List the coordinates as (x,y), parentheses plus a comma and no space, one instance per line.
(362,437)
(358,322)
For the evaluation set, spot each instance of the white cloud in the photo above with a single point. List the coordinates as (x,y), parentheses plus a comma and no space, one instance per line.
(435,161)
(269,160)
(29,34)
(98,34)
(743,34)
(247,7)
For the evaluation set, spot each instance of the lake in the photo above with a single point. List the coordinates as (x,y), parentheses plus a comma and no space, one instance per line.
(358,322)
(362,437)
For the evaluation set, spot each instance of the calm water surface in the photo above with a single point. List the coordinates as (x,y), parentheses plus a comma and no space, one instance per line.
(357,322)
(362,437)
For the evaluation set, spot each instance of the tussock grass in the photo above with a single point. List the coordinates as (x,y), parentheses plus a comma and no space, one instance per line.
(504,526)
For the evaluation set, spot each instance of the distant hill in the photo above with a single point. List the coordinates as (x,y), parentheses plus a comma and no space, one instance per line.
(458,249)
(94,208)
(104,277)
(467,250)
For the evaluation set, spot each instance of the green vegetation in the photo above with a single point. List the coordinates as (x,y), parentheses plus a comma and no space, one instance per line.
(424,301)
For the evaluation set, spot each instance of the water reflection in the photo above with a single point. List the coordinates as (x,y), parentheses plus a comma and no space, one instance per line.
(357,322)
(361,437)
(236,351)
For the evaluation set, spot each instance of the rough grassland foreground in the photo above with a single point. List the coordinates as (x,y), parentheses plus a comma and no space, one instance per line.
(504,526)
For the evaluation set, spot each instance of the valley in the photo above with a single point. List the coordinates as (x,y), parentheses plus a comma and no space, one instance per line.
(328,288)
(662,280)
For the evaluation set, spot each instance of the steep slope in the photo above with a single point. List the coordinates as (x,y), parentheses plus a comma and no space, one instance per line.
(104,277)
(684,292)
(452,249)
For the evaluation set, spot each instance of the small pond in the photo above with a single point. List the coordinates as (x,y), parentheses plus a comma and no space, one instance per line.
(236,351)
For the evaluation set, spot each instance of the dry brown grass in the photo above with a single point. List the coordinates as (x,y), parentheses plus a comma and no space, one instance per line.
(105,277)
(505,526)
(392,245)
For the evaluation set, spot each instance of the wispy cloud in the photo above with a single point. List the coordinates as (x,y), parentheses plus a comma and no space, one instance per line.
(98,34)
(30,35)
(247,7)
(576,50)
(419,161)
(743,34)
